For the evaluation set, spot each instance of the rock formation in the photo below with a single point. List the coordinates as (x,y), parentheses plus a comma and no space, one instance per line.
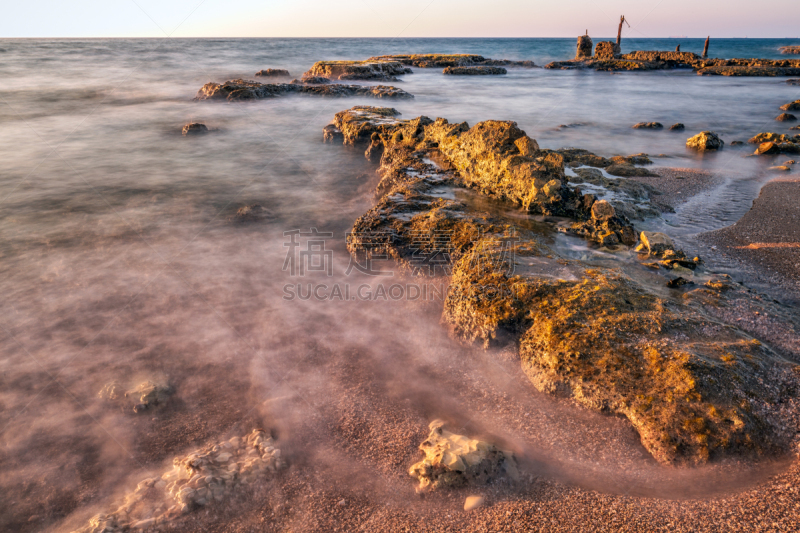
(706,140)
(195,128)
(236,90)
(450,60)
(606,50)
(357,70)
(273,73)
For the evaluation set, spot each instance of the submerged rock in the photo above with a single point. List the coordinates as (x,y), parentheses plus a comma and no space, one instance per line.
(311,80)
(236,90)
(357,70)
(273,73)
(203,478)
(195,128)
(453,460)
(648,126)
(655,243)
(250,213)
(677,127)
(475,71)
(706,140)
(789,49)
(450,60)
(627,170)
(762,71)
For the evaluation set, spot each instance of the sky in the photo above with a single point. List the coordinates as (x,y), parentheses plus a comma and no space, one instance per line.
(392,18)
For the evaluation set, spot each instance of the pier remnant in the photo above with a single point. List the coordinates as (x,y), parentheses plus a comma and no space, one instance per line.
(585,45)
(619,34)
(705,47)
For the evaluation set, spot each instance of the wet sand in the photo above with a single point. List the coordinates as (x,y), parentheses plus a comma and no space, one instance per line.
(677,185)
(766,241)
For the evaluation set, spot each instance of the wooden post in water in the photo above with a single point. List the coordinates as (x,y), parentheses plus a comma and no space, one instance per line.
(678,48)
(618,47)
(705,48)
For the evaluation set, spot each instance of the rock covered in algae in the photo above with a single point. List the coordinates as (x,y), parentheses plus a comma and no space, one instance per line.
(453,460)
(357,70)
(690,386)
(605,50)
(235,90)
(705,141)
(205,477)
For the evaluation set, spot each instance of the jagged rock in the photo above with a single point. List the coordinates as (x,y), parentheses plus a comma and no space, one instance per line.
(273,73)
(235,90)
(584,47)
(656,243)
(677,127)
(359,123)
(195,128)
(614,347)
(606,50)
(791,106)
(648,126)
(475,71)
(768,137)
(706,140)
(673,58)
(357,70)
(636,159)
(786,117)
(205,477)
(453,460)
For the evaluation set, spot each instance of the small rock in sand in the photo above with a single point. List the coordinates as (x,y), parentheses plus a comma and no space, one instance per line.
(473,502)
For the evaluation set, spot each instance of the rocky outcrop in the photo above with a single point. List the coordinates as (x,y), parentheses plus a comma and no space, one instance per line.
(273,73)
(237,90)
(705,141)
(475,71)
(357,70)
(194,128)
(791,106)
(760,71)
(453,460)
(204,478)
(585,45)
(692,387)
(789,49)
(786,117)
(671,58)
(147,395)
(628,171)
(773,148)
(606,50)
(677,127)
(450,60)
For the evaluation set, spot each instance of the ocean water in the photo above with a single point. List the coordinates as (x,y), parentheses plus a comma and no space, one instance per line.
(119,259)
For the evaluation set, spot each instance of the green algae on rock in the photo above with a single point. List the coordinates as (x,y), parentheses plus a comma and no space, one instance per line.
(236,90)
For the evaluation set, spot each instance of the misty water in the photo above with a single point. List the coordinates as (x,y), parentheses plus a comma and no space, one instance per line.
(120,260)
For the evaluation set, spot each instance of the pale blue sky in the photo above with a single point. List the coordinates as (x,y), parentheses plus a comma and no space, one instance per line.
(406,18)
